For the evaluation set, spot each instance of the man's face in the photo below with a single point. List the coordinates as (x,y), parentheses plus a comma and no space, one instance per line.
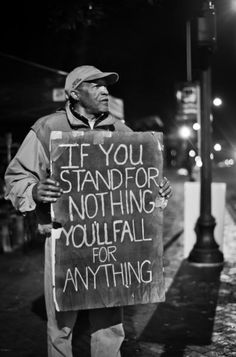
(93,96)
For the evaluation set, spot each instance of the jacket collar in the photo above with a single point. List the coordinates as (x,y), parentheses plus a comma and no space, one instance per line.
(77,120)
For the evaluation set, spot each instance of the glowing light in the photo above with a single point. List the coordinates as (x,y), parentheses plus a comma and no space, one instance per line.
(229,162)
(192,153)
(217,102)
(196,126)
(233,5)
(217,147)
(182,171)
(184,132)
(198,161)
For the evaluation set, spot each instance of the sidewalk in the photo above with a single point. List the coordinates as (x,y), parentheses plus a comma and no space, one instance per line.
(197,319)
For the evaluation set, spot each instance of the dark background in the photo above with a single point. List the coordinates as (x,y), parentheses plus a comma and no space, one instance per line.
(143,40)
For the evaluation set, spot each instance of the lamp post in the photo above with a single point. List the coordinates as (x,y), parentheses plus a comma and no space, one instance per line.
(205,252)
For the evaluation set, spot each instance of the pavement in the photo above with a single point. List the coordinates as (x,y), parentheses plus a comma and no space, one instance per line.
(198,317)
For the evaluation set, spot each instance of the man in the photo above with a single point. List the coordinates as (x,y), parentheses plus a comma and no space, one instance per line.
(29,187)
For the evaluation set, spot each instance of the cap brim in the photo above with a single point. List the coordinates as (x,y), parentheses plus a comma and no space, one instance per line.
(109,77)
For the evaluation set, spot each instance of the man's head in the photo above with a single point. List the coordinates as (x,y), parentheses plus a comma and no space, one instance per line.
(87,86)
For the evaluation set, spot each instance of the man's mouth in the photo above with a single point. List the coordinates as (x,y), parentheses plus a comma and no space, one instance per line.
(104,100)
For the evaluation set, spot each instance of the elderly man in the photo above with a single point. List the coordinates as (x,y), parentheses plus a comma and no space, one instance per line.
(29,187)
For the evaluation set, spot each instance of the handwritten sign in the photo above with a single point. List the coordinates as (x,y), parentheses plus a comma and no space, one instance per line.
(107,225)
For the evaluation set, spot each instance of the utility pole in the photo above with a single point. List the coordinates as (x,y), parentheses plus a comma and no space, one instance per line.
(188,51)
(205,252)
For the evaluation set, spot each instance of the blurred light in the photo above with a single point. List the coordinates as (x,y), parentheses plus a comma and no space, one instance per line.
(192,153)
(178,94)
(217,102)
(233,5)
(217,147)
(229,162)
(182,171)
(184,132)
(196,126)
(226,163)
(198,161)
(211,156)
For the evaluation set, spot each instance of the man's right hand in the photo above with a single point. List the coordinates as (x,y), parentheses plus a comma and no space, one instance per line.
(46,191)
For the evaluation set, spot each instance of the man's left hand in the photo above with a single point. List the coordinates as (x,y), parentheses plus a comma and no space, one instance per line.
(165,188)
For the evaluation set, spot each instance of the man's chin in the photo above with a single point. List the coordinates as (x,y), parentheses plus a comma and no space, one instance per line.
(103,107)
(104,110)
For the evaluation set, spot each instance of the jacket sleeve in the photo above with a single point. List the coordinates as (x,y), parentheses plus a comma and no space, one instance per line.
(29,165)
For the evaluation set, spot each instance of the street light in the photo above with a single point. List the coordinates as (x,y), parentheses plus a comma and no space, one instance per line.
(205,252)
(233,5)
(217,147)
(217,102)
(196,126)
(185,132)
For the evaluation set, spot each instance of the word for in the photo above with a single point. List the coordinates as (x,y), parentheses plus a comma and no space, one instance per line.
(119,231)
(124,274)
(121,155)
(103,254)
(111,179)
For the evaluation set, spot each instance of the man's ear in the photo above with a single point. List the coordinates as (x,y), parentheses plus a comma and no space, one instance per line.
(74,95)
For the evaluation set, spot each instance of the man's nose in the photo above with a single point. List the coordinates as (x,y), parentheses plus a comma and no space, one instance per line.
(104,90)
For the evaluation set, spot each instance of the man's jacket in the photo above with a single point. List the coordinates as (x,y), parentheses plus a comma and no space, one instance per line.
(32,162)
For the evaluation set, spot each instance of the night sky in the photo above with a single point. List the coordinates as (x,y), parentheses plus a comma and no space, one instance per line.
(144,41)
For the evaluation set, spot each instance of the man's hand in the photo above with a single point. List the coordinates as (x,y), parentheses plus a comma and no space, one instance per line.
(46,191)
(165,188)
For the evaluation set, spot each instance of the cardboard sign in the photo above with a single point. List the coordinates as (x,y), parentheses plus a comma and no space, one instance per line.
(107,235)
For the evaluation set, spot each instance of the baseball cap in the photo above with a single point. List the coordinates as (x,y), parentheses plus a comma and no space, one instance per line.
(87,73)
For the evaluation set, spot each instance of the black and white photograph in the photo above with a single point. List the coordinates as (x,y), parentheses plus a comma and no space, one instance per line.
(118,178)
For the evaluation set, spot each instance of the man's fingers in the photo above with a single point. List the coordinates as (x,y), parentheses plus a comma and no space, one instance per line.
(165,188)
(49,196)
(47,191)
(47,199)
(50,188)
(163,182)
(168,193)
(51,181)
(50,184)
